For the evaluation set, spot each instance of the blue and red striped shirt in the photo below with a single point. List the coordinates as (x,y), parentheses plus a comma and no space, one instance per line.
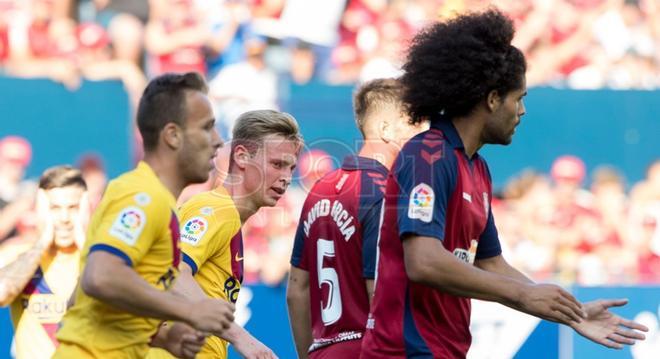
(434,190)
(336,243)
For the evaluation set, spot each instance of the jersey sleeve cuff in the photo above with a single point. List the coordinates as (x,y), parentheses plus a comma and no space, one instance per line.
(419,233)
(488,253)
(191,262)
(112,250)
(369,274)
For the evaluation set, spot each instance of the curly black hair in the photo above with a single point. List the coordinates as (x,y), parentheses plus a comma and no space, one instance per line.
(453,65)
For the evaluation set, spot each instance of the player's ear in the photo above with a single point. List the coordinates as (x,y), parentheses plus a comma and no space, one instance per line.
(493,101)
(385,130)
(240,155)
(172,135)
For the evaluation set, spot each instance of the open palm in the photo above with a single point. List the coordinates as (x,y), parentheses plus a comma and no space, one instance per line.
(606,328)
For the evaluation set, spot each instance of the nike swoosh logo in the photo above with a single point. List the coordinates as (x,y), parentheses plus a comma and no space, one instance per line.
(237,258)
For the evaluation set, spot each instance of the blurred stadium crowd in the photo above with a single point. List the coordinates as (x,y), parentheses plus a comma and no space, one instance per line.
(551,226)
(582,44)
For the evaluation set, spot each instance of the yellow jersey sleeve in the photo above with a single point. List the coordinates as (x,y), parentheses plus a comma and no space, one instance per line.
(208,222)
(198,232)
(129,226)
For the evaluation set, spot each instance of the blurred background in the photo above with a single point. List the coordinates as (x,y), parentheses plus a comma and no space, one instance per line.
(578,191)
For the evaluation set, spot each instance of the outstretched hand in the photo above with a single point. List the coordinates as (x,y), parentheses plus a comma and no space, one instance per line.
(606,328)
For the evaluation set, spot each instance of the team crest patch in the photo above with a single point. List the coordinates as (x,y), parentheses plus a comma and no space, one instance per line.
(129,225)
(421,203)
(142,199)
(194,229)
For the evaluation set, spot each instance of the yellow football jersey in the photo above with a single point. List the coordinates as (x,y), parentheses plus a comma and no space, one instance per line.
(36,313)
(212,246)
(136,220)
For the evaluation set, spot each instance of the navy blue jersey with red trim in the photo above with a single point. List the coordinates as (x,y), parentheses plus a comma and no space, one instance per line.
(434,190)
(336,243)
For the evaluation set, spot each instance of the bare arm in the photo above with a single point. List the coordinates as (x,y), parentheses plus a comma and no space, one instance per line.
(370,289)
(15,276)
(429,263)
(241,339)
(600,325)
(297,299)
(132,293)
(500,266)
(107,278)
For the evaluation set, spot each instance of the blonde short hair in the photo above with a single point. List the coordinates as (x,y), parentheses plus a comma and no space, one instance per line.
(253,126)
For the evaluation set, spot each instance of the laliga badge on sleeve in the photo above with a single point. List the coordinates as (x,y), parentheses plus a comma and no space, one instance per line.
(129,225)
(194,229)
(421,203)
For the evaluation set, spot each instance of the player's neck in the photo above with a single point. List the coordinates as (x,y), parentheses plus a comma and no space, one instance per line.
(167,172)
(242,200)
(469,130)
(385,153)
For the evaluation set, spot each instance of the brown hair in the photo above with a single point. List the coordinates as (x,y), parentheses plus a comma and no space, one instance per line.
(164,101)
(61,176)
(374,94)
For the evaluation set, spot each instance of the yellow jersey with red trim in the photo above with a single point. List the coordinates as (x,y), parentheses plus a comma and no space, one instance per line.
(136,220)
(37,311)
(212,246)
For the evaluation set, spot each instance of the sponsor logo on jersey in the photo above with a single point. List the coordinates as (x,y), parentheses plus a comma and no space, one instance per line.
(467,255)
(421,202)
(129,225)
(194,230)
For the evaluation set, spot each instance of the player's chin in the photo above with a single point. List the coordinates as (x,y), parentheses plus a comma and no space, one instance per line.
(202,175)
(64,241)
(270,199)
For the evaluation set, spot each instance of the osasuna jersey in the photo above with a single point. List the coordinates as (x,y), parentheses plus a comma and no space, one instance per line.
(336,243)
(434,190)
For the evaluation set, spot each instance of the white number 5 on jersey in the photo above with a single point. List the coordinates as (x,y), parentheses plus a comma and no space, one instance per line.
(331,311)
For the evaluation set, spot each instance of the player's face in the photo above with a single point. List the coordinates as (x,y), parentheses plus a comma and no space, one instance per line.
(502,124)
(269,171)
(64,209)
(201,140)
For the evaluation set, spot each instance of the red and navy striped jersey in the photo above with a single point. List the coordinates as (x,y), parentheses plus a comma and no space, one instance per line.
(336,243)
(434,190)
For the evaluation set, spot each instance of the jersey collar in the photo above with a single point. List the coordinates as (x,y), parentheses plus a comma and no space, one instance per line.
(352,163)
(145,169)
(447,127)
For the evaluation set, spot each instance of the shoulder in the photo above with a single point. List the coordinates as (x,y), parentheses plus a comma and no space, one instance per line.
(135,201)
(424,152)
(211,210)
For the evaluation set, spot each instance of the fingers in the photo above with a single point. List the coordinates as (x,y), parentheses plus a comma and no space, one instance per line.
(620,339)
(570,309)
(608,303)
(631,334)
(570,297)
(575,306)
(188,353)
(633,325)
(193,340)
(609,343)
(559,317)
